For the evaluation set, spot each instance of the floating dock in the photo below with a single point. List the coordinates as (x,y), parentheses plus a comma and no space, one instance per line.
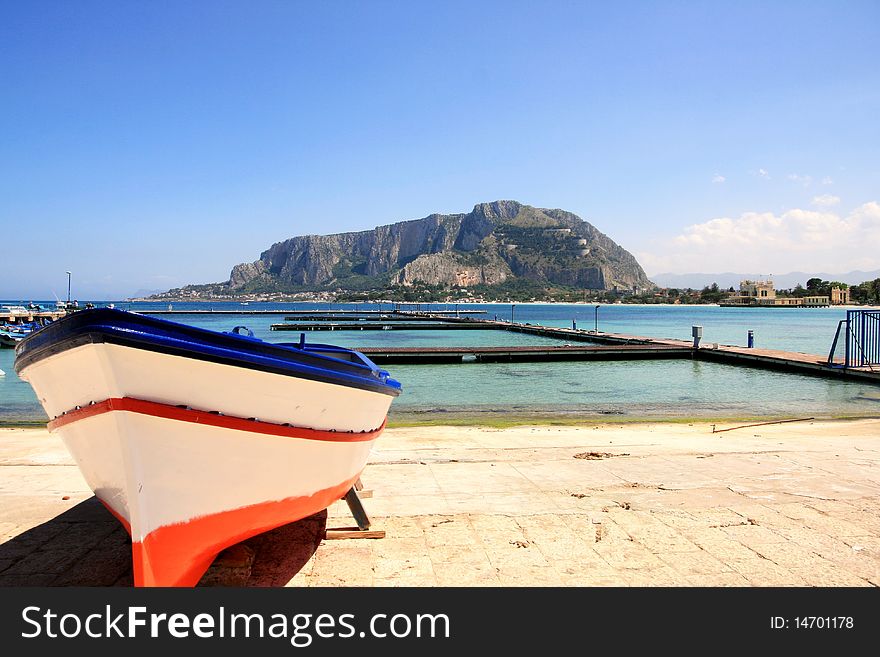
(213,312)
(433,355)
(390,325)
(400,313)
(237,311)
(641,347)
(384,317)
(596,344)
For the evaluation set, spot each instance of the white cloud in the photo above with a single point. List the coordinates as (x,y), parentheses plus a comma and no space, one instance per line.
(804,180)
(761,173)
(826,200)
(827,180)
(795,240)
(718,178)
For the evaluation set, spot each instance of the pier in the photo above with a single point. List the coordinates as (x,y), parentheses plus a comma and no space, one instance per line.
(399,313)
(434,355)
(310,313)
(212,311)
(384,317)
(389,325)
(604,346)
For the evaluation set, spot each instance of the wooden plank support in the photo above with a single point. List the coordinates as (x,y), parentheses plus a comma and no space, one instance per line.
(353,532)
(360,516)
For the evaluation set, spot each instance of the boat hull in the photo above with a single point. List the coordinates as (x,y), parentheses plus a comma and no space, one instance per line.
(187,484)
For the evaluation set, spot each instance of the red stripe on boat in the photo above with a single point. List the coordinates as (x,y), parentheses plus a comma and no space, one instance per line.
(210,419)
(179,554)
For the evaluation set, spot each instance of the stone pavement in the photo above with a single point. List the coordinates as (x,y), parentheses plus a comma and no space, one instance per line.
(611,505)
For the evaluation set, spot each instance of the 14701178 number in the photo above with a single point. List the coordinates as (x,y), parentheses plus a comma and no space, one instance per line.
(823,622)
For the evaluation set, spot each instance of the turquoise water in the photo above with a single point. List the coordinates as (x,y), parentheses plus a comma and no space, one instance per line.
(663,389)
(628,389)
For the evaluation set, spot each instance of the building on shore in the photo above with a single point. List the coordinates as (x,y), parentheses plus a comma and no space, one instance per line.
(840,296)
(762,294)
(753,293)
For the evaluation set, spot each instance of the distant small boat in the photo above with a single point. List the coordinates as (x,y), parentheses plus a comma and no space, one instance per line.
(14,310)
(196,440)
(12,334)
(2,373)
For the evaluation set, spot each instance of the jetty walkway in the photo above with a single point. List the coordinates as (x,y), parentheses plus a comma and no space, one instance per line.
(419,325)
(317,314)
(627,347)
(425,355)
(595,345)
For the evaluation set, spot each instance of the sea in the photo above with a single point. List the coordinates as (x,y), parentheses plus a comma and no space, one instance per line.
(563,391)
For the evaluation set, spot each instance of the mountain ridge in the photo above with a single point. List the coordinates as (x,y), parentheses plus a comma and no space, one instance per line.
(497,242)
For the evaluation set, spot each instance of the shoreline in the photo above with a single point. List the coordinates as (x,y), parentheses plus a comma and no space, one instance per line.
(460,302)
(492,303)
(504,420)
(515,421)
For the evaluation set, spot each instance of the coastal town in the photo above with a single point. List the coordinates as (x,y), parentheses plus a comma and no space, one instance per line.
(751,293)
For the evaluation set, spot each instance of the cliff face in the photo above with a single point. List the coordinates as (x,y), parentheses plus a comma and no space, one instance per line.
(493,243)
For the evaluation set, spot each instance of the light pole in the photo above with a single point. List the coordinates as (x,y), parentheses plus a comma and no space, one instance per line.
(597,318)
(68,288)
(512,308)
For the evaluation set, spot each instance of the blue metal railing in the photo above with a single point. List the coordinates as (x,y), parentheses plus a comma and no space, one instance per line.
(861,330)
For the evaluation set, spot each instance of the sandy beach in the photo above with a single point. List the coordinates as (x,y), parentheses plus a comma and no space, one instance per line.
(665,504)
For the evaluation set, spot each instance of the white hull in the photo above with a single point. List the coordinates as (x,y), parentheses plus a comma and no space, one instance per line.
(115,371)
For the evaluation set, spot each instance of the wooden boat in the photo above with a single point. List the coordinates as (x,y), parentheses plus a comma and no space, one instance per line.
(196,440)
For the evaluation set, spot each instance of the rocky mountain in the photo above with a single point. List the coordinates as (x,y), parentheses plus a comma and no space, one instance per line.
(494,243)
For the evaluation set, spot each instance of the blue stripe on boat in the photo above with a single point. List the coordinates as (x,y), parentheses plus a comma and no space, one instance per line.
(318,362)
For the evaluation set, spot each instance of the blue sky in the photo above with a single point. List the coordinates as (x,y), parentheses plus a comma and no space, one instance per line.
(148,145)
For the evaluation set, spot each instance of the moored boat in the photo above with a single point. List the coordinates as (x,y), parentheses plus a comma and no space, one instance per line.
(196,440)
(12,334)
(8,339)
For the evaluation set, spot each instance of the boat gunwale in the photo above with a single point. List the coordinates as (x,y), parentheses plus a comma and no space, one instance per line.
(170,338)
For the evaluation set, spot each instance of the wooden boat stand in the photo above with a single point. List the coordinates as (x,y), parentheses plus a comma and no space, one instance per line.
(353,500)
